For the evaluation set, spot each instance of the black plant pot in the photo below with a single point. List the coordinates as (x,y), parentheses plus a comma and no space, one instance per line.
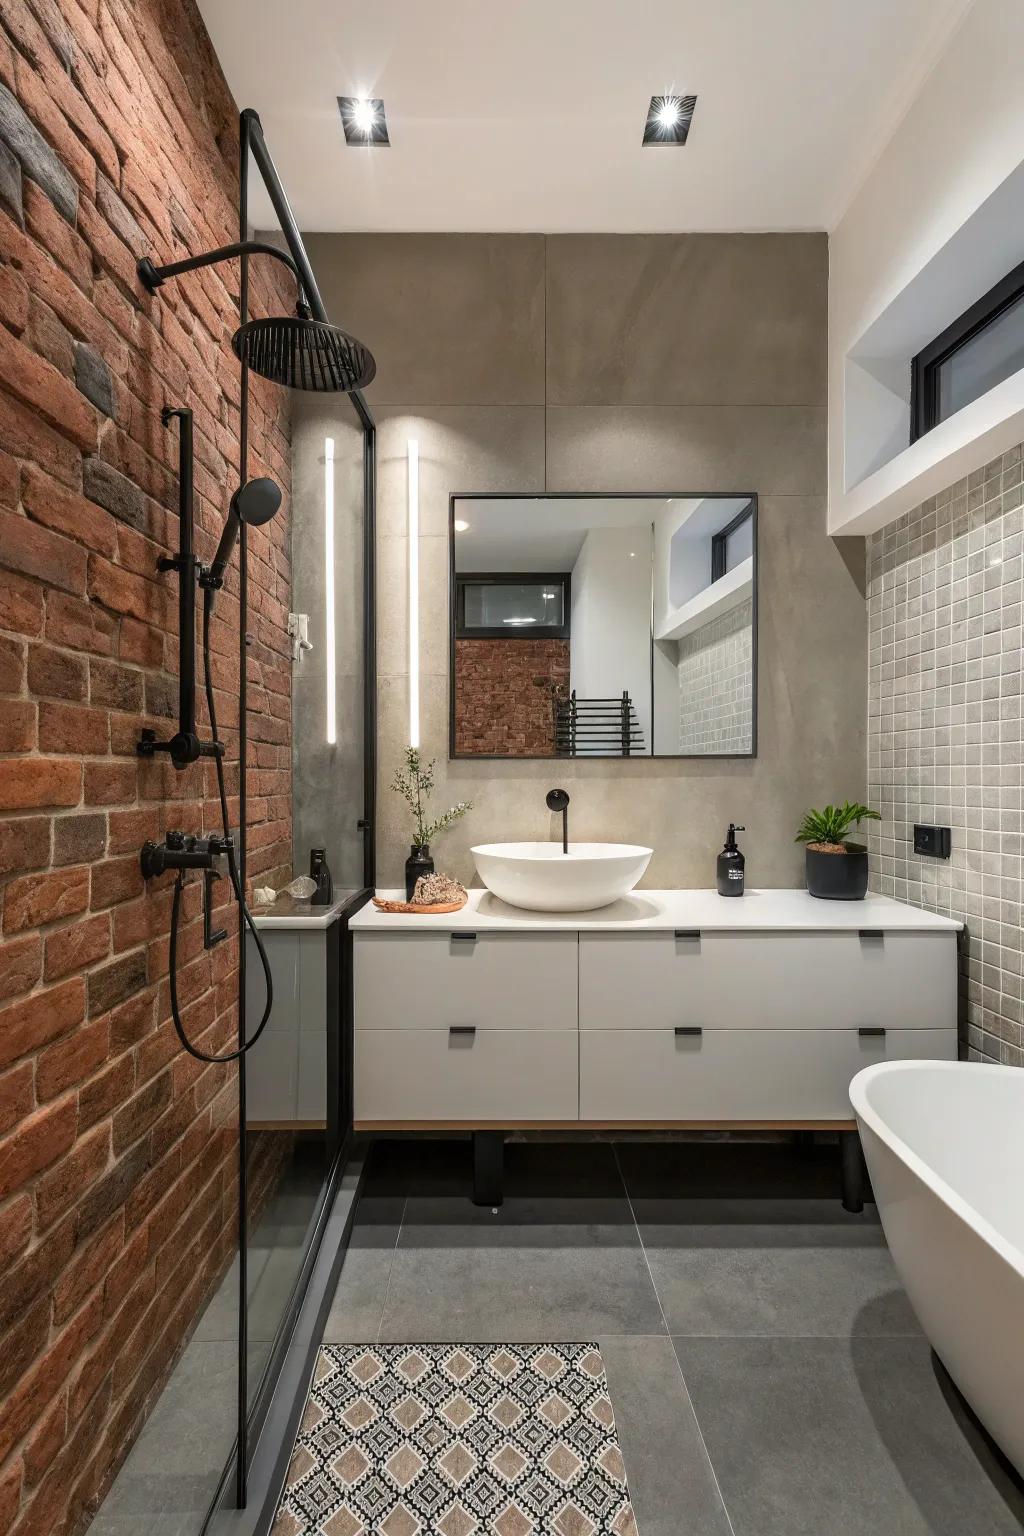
(418,863)
(838,876)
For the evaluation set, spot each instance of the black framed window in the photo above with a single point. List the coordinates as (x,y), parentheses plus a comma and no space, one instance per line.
(974,354)
(732,544)
(507,605)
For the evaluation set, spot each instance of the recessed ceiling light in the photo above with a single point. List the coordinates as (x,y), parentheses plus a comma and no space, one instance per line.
(460,526)
(363,120)
(668,119)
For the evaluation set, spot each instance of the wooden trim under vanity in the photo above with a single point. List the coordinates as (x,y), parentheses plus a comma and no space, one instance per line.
(605,1125)
(286,1125)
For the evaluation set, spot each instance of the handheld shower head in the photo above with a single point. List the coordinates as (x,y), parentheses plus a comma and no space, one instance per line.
(302,353)
(254,503)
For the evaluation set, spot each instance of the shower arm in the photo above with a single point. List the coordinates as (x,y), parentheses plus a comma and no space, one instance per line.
(153,277)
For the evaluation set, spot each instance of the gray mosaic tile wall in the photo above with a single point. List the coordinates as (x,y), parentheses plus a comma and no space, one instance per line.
(715,684)
(944,730)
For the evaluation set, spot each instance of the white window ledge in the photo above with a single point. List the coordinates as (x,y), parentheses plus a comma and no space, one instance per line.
(972,438)
(727,592)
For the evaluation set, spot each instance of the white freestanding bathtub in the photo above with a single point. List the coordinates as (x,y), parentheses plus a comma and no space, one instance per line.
(944,1143)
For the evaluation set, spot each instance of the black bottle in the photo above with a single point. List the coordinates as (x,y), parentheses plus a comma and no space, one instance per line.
(321,875)
(418,863)
(731,865)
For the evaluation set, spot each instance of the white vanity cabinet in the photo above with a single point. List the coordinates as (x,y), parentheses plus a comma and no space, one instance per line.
(740,1027)
(290,1071)
(671,1008)
(466,1025)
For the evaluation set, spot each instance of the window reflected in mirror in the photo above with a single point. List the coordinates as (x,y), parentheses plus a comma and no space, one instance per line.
(603,626)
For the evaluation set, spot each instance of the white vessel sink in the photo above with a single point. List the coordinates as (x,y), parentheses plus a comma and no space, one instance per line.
(544,879)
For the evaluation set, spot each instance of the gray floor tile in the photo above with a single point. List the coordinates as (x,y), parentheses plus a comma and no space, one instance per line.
(760,1277)
(752,1239)
(358,1304)
(155,1525)
(269,1297)
(558,1288)
(809,1436)
(219,1322)
(174,1466)
(671,1482)
(560,1259)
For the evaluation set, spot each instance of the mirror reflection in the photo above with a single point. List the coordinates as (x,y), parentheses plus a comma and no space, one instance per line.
(603,626)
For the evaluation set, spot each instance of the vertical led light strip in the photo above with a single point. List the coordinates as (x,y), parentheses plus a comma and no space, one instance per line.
(332,711)
(414,592)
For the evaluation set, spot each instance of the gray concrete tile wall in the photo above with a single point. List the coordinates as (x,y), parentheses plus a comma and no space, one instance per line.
(685,363)
(944,700)
(754,336)
(450,319)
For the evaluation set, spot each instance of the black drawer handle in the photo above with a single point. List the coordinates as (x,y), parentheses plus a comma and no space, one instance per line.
(463,938)
(871,1030)
(687,933)
(462,1029)
(688,1029)
(871,933)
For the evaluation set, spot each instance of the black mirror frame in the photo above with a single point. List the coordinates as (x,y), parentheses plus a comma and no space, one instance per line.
(645,757)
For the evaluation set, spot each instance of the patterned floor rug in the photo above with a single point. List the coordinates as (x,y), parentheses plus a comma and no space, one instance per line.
(457,1440)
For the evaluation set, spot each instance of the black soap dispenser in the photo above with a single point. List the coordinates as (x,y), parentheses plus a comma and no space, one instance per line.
(320,874)
(731,865)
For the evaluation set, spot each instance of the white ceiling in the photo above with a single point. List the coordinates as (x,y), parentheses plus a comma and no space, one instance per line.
(527,114)
(542,533)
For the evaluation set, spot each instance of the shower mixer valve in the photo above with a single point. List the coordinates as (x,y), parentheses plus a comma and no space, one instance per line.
(183,851)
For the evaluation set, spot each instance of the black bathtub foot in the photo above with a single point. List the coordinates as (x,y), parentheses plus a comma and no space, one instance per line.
(488,1167)
(853,1171)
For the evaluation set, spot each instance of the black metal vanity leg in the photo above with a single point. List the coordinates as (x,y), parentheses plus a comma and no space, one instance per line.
(488,1167)
(853,1171)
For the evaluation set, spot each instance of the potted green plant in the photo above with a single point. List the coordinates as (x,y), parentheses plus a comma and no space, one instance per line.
(837,870)
(415,786)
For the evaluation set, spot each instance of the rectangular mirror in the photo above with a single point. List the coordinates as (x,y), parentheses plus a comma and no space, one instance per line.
(603,626)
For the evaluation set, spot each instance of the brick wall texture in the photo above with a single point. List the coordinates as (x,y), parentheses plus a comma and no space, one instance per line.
(118,137)
(504,695)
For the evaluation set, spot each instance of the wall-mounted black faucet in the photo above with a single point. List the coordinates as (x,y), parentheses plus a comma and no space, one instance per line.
(558,800)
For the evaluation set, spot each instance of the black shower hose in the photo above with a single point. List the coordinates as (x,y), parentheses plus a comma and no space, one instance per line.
(236,884)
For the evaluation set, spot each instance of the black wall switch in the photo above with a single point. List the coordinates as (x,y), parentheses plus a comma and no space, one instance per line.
(933,841)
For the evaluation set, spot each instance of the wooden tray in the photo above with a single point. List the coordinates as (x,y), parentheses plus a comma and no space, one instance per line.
(417,906)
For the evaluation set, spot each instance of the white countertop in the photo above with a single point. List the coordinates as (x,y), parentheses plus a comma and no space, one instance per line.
(287,912)
(657,911)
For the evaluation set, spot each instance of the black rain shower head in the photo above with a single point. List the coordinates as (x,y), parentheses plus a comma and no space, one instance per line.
(255,502)
(294,350)
(302,353)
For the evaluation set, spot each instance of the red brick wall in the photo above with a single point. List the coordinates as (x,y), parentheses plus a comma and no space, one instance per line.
(117,137)
(503,695)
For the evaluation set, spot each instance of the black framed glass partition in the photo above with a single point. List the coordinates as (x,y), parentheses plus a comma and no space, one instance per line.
(295,1083)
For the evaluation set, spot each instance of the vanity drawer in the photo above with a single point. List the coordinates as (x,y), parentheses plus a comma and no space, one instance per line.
(492,981)
(492,1074)
(738,1074)
(767,980)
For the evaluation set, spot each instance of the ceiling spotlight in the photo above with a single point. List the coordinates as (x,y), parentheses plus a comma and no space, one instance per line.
(461,526)
(669,119)
(363,119)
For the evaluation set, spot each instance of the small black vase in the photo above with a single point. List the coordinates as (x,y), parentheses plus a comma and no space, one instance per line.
(838,876)
(418,863)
